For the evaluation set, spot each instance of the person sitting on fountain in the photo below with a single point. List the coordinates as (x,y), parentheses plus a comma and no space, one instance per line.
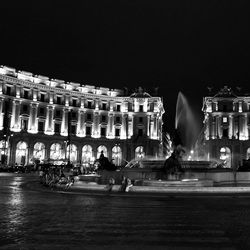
(172,165)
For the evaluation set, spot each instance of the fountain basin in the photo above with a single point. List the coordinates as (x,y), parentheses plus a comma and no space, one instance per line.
(180,183)
(93,178)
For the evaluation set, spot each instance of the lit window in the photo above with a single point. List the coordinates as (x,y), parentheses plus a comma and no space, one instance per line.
(224,119)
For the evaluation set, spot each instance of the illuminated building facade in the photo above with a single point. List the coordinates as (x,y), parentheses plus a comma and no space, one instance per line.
(42,118)
(227,126)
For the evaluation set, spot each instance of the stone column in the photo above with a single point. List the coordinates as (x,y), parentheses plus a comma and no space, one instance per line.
(49,124)
(245,127)
(124,126)
(111,125)
(230,134)
(15,124)
(64,125)
(213,127)
(1,112)
(32,127)
(241,123)
(80,123)
(96,130)
(148,125)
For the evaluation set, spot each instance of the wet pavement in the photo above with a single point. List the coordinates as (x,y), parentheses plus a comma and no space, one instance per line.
(34,217)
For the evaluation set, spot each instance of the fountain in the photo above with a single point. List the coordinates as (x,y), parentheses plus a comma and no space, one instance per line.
(179,169)
(184,171)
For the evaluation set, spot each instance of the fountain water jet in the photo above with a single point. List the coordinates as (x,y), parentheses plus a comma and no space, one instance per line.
(185,123)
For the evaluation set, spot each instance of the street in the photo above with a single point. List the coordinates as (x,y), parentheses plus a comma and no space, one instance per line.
(34,217)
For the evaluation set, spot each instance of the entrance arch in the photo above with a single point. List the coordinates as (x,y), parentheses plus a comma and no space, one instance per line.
(21,153)
(225,155)
(139,152)
(248,154)
(72,153)
(100,149)
(4,150)
(39,151)
(56,151)
(87,154)
(117,155)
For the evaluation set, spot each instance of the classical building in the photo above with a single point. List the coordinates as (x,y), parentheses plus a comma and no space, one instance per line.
(50,119)
(227,126)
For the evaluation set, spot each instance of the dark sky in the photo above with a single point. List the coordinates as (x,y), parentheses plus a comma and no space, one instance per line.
(176,45)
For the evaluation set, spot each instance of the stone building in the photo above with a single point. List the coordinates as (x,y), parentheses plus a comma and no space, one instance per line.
(50,119)
(227,127)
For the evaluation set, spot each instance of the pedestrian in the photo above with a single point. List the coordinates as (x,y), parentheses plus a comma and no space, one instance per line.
(111,184)
(129,185)
(124,184)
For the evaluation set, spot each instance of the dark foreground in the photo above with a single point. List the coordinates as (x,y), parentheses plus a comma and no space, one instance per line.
(37,218)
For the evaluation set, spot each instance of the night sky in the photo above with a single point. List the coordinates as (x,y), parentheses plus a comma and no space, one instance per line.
(175,45)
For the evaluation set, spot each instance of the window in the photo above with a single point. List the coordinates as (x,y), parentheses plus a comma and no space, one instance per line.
(224,108)
(89,117)
(8,90)
(73,129)
(58,99)
(74,102)
(42,111)
(89,104)
(40,126)
(118,108)
(103,131)
(42,97)
(225,132)
(73,115)
(140,119)
(117,132)
(104,106)
(26,94)
(118,119)
(103,118)
(57,128)
(24,124)
(25,108)
(88,130)
(58,113)
(140,131)
(224,119)
(141,108)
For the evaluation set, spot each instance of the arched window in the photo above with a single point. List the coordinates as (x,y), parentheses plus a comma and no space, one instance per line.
(3,147)
(21,152)
(39,151)
(100,149)
(56,151)
(4,150)
(248,153)
(72,149)
(225,155)
(139,152)
(117,155)
(87,154)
